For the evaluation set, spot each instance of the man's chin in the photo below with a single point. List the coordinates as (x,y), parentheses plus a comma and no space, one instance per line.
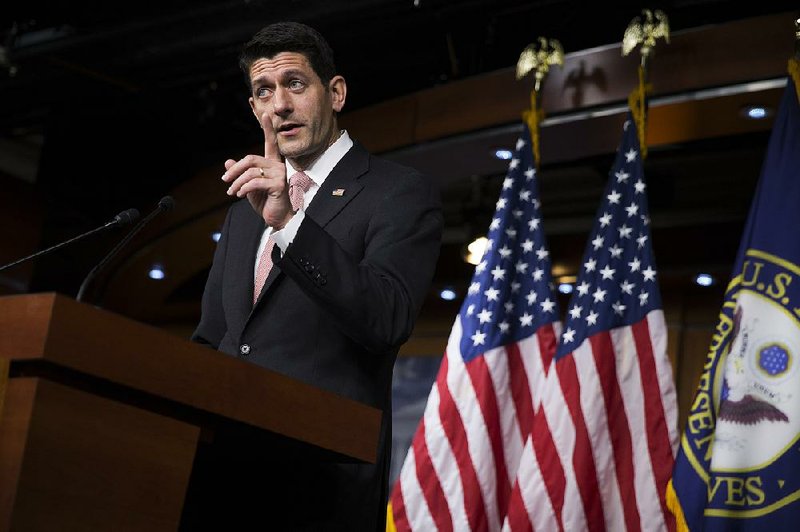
(291,149)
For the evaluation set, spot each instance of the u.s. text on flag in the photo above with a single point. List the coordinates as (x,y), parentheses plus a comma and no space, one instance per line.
(459,471)
(604,437)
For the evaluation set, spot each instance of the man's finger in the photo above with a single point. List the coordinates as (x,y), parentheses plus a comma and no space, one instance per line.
(270,139)
(229,163)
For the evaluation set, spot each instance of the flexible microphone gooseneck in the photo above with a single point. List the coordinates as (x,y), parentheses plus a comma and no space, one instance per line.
(123,218)
(164,204)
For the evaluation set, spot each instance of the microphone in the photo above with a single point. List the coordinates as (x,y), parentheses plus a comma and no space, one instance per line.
(164,204)
(123,218)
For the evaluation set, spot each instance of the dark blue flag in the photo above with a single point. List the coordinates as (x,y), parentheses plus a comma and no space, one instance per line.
(739,462)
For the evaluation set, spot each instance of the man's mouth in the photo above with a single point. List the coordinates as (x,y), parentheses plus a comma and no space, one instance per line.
(288,129)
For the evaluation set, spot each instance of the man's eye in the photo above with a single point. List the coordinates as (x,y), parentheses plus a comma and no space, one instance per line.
(263,92)
(296,84)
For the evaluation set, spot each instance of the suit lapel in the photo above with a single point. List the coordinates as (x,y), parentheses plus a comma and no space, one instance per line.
(340,187)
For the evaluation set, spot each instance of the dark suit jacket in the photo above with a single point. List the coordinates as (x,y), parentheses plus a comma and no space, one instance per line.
(334,310)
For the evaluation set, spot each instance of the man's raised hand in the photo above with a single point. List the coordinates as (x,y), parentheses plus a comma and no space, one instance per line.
(262,180)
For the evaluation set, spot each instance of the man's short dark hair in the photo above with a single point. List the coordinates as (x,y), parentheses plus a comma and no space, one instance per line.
(289,37)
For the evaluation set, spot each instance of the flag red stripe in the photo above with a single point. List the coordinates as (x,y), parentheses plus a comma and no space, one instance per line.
(487,401)
(454,430)
(518,520)
(657,431)
(429,482)
(582,457)
(549,464)
(399,509)
(520,390)
(618,426)
(546,336)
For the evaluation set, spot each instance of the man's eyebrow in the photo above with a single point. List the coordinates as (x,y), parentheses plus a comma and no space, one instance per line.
(293,73)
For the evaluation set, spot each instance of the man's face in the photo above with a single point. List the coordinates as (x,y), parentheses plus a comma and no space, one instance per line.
(300,108)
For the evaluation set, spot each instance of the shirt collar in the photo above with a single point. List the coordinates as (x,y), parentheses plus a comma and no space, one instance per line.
(319,169)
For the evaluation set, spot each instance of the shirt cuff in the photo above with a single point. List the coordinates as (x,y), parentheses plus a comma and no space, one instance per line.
(285,236)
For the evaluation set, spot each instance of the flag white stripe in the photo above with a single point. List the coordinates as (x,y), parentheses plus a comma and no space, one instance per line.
(632,390)
(478,442)
(534,493)
(666,381)
(563,434)
(418,514)
(595,418)
(534,367)
(497,364)
(442,460)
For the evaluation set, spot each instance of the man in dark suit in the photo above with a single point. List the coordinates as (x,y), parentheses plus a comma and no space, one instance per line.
(345,245)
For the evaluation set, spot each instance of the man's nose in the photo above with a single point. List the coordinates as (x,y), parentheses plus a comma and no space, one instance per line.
(281,101)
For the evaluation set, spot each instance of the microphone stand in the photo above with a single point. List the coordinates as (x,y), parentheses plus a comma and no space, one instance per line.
(123,218)
(165,204)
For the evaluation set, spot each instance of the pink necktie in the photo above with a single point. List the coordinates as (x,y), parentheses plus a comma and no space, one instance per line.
(299,184)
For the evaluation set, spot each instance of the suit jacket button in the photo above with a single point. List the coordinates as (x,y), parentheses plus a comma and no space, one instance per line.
(309,268)
(244,349)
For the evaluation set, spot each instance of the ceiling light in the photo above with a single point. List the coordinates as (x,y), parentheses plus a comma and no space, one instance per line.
(503,155)
(215,236)
(448,294)
(756,112)
(704,279)
(476,249)
(566,283)
(156,272)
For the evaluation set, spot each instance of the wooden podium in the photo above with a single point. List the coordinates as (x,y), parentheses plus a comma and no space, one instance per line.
(100,417)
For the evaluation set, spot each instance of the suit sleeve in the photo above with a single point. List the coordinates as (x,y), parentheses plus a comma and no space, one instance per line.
(374,299)
(212,326)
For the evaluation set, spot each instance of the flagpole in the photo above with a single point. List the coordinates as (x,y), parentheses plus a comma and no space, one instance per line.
(645,32)
(538,58)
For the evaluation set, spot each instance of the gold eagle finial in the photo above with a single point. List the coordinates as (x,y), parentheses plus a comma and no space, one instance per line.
(654,26)
(539,58)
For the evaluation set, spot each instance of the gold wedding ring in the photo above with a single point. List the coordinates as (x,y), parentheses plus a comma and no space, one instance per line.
(262,171)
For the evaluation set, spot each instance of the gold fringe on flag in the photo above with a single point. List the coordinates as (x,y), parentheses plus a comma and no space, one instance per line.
(674,506)
(390,526)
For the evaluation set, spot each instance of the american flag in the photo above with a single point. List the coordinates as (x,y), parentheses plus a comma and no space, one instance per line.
(604,437)
(463,459)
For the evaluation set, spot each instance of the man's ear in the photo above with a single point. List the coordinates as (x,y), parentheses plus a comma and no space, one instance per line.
(338,87)
(253,107)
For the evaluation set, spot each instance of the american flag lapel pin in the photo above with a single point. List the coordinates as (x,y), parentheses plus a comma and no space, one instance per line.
(338,192)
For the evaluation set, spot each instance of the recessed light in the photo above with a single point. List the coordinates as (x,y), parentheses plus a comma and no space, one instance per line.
(156,272)
(503,155)
(704,279)
(566,288)
(756,112)
(448,294)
